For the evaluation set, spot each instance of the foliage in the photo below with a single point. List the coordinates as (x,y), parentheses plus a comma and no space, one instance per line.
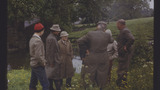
(60,12)
(20,10)
(128,9)
(139,78)
(93,10)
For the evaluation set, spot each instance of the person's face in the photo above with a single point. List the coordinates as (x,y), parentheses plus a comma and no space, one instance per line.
(98,27)
(119,26)
(65,38)
(41,33)
(57,33)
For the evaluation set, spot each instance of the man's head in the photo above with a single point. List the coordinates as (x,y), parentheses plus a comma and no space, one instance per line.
(39,29)
(64,35)
(121,24)
(55,29)
(101,25)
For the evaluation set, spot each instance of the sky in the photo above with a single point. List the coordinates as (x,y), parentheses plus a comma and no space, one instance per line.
(151,4)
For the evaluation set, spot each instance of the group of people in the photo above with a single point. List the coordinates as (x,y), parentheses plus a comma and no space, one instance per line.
(52,63)
(98,49)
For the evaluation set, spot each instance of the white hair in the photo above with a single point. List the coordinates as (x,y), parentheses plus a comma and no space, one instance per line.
(109,32)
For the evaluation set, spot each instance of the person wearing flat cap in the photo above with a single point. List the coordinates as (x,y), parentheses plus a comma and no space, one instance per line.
(37,59)
(52,57)
(96,62)
(66,54)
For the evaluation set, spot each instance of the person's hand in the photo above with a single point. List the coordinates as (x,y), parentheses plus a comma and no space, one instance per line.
(87,52)
(125,48)
(83,59)
(44,64)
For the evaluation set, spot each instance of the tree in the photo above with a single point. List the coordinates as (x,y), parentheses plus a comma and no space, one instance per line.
(93,10)
(60,12)
(21,10)
(18,12)
(128,9)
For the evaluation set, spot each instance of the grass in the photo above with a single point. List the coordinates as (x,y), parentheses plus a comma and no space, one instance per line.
(144,26)
(139,78)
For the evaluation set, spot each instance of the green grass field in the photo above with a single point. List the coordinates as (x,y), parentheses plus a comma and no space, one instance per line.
(140,77)
(144,26)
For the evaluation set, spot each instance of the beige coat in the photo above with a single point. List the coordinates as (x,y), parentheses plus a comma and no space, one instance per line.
(52,57)
(112,49)
(66,55)
(37,52)
(97,61)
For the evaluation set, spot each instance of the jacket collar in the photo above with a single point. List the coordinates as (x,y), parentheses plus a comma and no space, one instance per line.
(123,29)
(37,36)
(53,35)
(64,42)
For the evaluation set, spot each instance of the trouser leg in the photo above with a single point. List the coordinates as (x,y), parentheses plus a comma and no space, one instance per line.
(122,80)
(57,84)
(41,74)
(33,81)
(68,82)
(51,84)
(109,71)
(61,82)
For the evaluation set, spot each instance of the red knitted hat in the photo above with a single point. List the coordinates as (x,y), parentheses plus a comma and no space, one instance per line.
(38,27)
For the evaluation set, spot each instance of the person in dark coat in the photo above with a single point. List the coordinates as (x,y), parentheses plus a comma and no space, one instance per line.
(97,62)
(37,59)
(125,41)
(83,52)
(53,58)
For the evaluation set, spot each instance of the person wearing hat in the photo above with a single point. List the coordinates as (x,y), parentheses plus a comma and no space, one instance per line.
(37,59)
(66,54)
(97,61)
(112,52)
(52,57)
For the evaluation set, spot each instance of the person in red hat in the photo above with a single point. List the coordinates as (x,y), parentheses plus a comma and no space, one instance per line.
(37,59)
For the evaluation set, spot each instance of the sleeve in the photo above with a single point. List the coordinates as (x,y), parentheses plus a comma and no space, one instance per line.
(71,49)
(39,52)
(51,51)
(115,54)
(130,38)
(83,44)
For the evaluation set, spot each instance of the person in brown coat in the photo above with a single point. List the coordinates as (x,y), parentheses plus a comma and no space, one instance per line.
(37,59)
(125,50)
(66,55)
(112,52)
(97,61)
(53,58)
